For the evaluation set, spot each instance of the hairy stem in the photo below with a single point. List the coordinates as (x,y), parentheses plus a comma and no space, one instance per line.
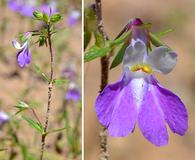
(104,79)
(50,87)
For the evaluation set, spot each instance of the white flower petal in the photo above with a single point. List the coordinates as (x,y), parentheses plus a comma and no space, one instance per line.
(134,53)
(162,60)
(16,44)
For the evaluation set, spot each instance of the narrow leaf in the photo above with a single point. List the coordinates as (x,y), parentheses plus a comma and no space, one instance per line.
(121,39)
(119,57)
(45,17)
(40,73)
(21,105)
(60,81)
(87,38)
(34,124)
(162,33)
(155,40)
(56,130)
(95,52)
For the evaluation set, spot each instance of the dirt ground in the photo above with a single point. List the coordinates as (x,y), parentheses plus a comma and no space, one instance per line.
(175,14)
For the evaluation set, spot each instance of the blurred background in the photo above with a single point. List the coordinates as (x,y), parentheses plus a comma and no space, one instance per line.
(178,15)
(17,139)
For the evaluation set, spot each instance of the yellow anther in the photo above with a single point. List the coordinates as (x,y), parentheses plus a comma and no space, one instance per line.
(136,67)
(144,67)
(147,69)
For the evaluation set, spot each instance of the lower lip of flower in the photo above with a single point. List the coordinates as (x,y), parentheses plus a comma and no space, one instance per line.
(141,67)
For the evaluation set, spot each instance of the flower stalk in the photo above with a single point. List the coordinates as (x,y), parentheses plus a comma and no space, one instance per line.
(104,79)
(50,87)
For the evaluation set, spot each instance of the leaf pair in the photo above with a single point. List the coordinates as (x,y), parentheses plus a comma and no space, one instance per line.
(95,51)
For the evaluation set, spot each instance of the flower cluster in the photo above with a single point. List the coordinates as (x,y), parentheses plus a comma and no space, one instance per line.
(27,7)
(138,96)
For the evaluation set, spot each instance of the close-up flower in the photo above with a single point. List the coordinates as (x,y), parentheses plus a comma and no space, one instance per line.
(24,54)
(138,96)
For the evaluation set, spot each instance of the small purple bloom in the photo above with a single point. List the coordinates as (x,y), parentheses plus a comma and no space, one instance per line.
(73,18)
(24,55)
(3,118)
(69,73)
(27,7)
(47,8)
(138,96)
(73,93)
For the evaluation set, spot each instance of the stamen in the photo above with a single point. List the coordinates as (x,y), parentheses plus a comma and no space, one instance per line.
(147,69)
(144,67)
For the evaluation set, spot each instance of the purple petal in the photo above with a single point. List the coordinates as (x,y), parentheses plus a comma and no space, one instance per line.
(151,119)
(14,5)
(73,94)
(116,110)
(174,110)
(3,117)
(46,9)
(27,10)
(24,57)
(69,73)
(73,18)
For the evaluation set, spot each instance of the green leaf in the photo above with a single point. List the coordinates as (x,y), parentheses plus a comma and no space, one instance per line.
(146,25)
(155,40)
(162,33)
(56,130)
(38,15)
(40,73)
(21,105)
(41,40)
(119,57)
(45,18)
(121,39)
(22,38)
(60,81)
(34,124)
(95,52)
(55,18)
(87,38)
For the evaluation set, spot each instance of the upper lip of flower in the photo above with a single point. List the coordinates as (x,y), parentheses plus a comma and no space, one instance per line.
(17,45)
(137,59)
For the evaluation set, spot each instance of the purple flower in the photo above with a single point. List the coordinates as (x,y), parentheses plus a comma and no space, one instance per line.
(69,73)
(73,18)
(138,97)
(24,54)
(27,7)
(73,93)
(46,8)
(3,118)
